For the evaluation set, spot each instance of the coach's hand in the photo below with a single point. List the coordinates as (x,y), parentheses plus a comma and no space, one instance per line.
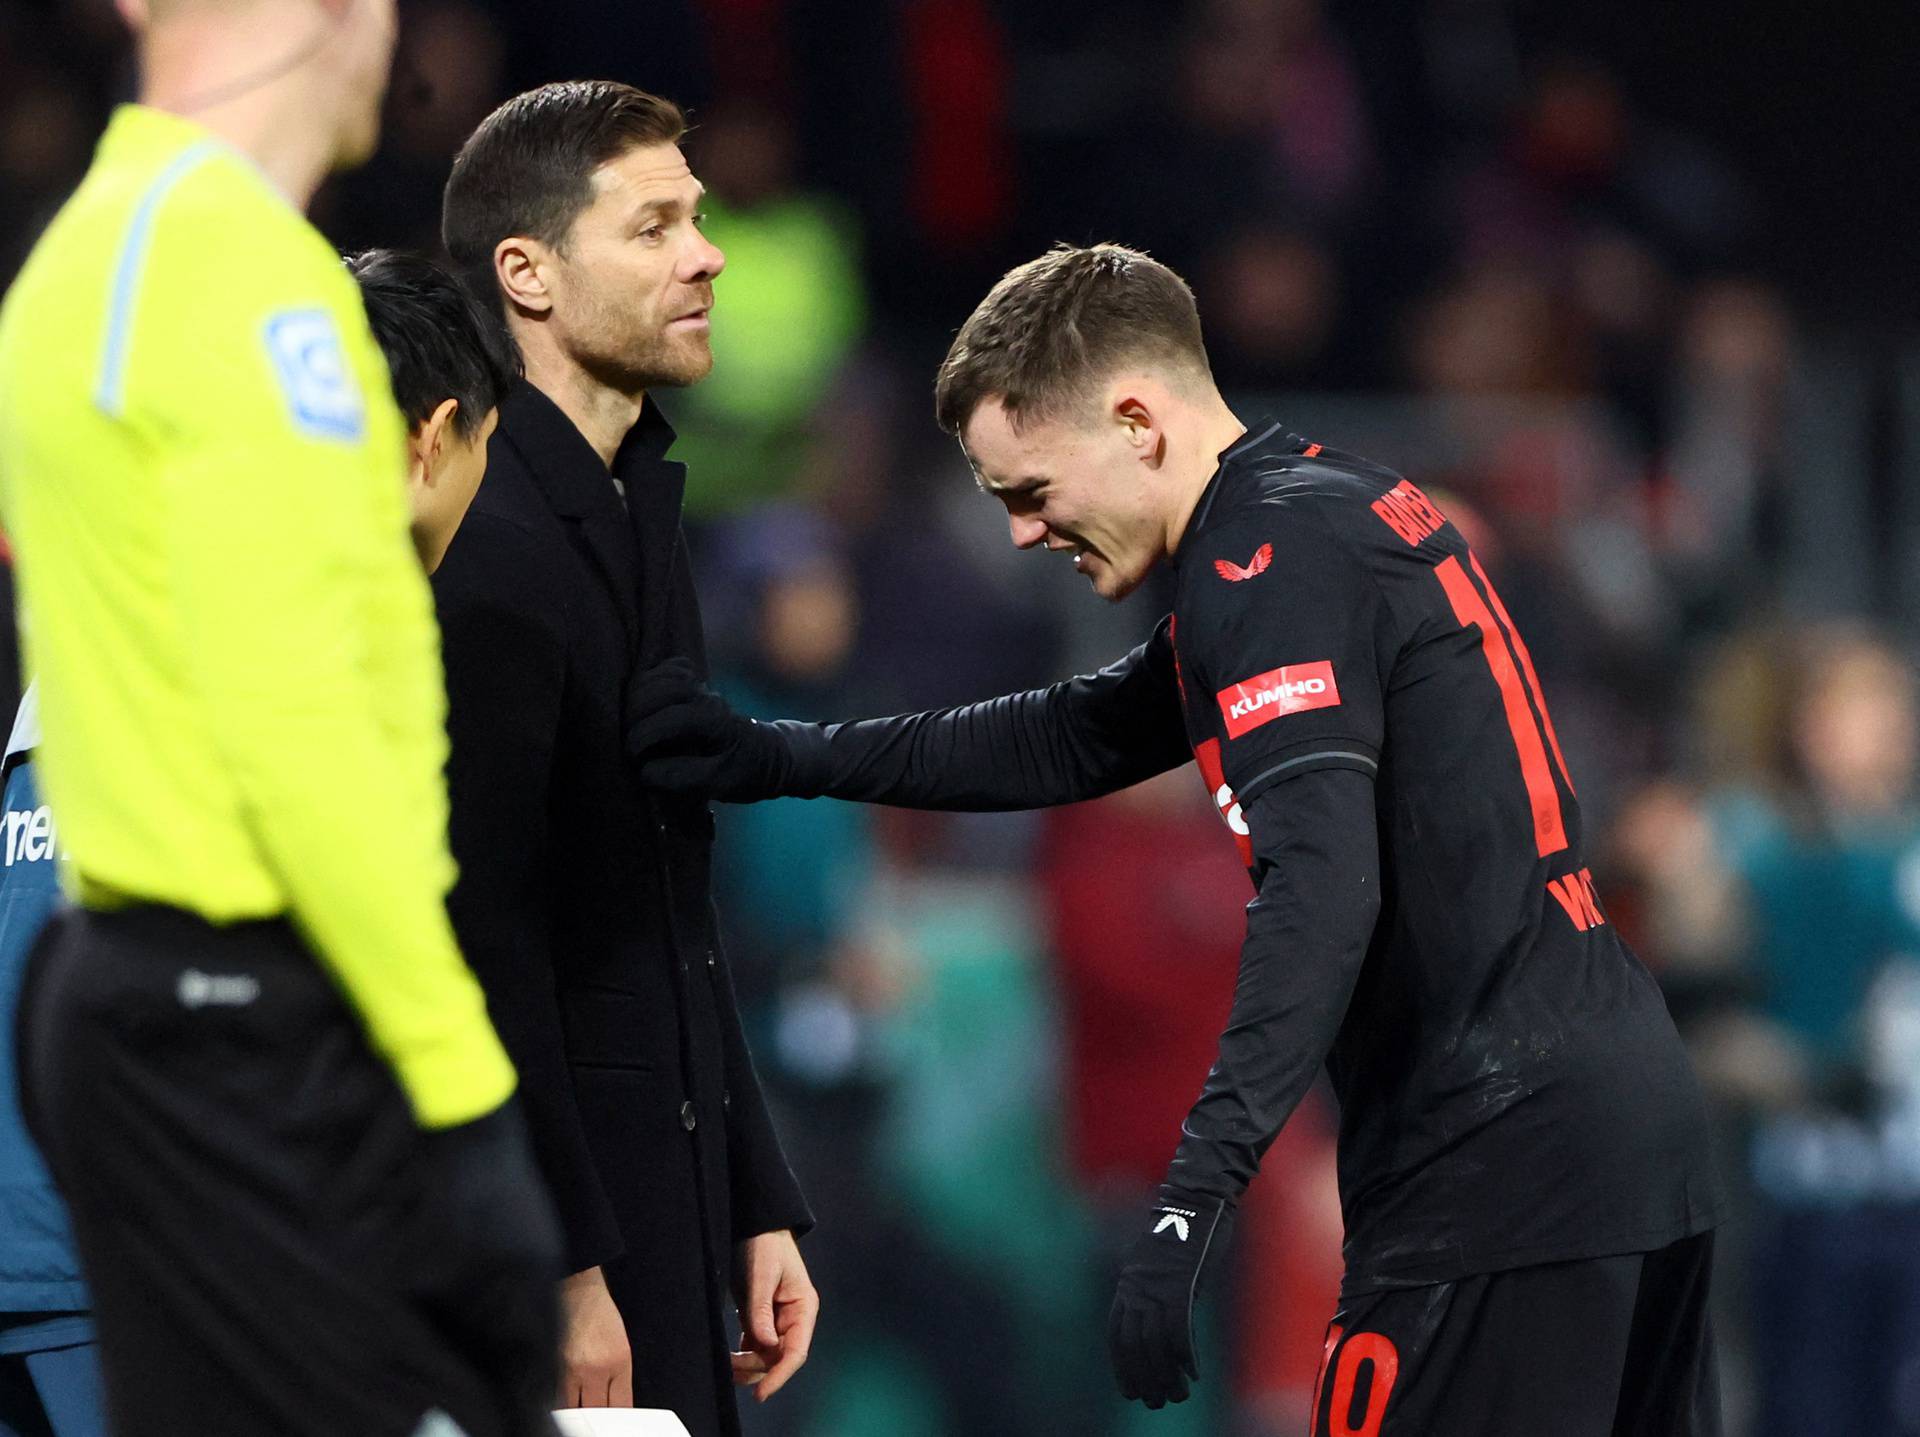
(596,1365)
(778,1309)
(1150,1328)
(682,737)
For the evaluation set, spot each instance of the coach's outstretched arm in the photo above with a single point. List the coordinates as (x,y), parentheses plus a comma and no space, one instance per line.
(1316,851)
(1077,739)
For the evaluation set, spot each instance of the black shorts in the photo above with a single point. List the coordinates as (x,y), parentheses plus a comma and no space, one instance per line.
(261,1222)
(1608,1347)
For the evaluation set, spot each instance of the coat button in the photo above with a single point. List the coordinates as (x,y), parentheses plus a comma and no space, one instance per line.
(687,1119)
(712,962)
(726,1101)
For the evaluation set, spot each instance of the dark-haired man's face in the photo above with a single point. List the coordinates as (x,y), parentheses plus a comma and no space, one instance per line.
(633,283)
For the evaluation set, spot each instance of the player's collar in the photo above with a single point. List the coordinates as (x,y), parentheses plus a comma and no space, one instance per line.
(1232,461)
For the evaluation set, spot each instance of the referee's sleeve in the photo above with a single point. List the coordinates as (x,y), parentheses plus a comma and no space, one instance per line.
(290,567)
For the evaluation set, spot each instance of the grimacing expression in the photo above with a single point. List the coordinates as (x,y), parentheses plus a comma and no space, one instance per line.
(633,281)
(1073,487)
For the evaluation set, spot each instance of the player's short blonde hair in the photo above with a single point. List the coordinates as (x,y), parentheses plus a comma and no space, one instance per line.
(1053,328)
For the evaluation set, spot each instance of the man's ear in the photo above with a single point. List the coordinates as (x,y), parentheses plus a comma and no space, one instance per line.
(426,444)
(134,14)
(520,266)
(1129,409)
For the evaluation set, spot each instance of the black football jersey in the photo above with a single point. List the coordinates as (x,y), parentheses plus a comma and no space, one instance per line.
(1511,1088)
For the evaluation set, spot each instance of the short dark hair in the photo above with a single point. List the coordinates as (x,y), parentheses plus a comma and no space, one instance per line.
(440,344)
(528,167)
(1055,326)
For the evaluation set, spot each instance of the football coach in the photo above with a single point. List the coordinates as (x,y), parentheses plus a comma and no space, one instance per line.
(584,900)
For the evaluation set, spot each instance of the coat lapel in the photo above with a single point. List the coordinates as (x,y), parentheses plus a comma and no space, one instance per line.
(655,490)
(580,491)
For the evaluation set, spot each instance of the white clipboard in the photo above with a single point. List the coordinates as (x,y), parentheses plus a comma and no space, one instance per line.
(619,1422)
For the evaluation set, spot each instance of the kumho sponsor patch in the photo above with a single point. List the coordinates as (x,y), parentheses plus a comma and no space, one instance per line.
(1290,689)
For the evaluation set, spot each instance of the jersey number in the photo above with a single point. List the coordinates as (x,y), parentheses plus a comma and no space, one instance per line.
(1362,1347)
(1501,645)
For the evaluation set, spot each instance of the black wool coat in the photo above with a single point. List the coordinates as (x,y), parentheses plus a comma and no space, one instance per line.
(584,902)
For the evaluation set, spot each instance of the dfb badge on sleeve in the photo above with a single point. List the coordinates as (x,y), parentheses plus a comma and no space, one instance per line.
(322,394)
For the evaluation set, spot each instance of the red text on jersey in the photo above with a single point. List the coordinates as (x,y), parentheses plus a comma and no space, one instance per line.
(1289,689)
(1408,512)
(1575,894)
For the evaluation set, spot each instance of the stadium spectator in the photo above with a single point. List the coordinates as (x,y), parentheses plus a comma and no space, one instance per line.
(795,309)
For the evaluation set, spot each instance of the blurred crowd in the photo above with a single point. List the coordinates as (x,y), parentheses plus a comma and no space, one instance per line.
(1491,262)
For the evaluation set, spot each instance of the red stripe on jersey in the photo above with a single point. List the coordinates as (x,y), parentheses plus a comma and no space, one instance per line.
(1549,832)
(1213,770)
(1526,668)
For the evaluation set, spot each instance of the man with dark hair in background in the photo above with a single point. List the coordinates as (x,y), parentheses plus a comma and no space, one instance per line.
(583,899)
(451,366)
(1524,1169)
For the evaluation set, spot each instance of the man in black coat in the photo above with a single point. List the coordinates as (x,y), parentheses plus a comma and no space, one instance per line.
(583,901)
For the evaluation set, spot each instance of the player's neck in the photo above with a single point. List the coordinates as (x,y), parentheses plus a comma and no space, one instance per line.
(602,415)
(285,125)
(1214,432)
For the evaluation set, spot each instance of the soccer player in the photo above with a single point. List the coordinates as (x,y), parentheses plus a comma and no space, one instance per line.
(1524,1173)
(258,1067)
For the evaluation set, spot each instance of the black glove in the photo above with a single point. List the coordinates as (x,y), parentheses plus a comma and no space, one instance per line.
(682,737)
(1150,1328)
(484,1258)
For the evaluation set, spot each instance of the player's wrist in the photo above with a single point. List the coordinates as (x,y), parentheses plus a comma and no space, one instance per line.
(803,765)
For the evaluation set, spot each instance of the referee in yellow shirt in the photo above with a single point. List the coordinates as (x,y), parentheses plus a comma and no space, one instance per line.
(264,1077)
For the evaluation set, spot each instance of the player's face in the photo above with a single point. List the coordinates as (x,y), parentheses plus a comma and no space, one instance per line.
(633,285)
(368,29)
(1075,488)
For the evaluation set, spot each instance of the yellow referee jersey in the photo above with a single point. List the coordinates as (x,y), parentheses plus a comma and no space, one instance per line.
(241,695)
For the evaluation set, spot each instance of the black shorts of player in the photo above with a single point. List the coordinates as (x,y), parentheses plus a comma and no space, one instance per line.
(1607,1347)
(271,1243)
